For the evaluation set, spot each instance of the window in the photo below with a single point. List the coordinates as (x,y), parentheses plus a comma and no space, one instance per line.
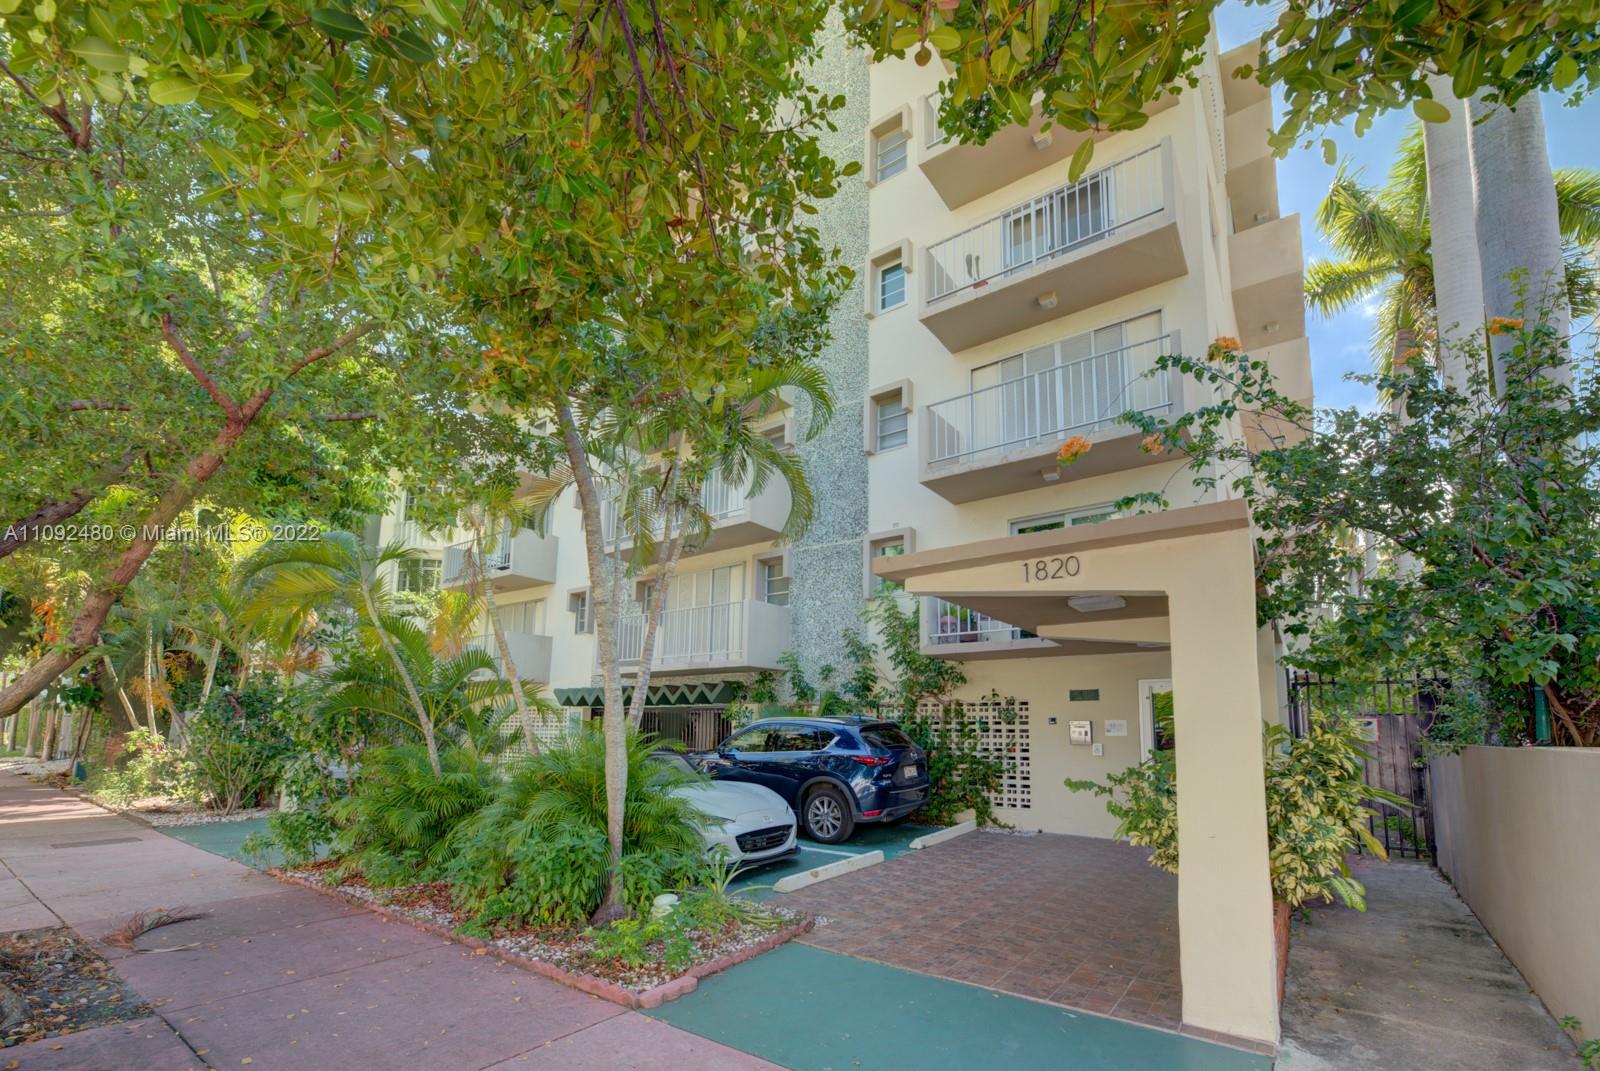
(752,741)
(777,435)
(892,421)
(774,581)
(891,286)
(886,735)
(798,738)
(891,146)
(578,603)
(1068,519)
(891,547)
(407,506)
(524,617)
(419,575)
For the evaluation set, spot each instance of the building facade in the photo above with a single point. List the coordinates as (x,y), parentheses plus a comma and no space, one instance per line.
(999,310)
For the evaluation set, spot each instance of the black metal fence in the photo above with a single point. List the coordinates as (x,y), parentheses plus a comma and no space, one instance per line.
(697,728)
(1397,713)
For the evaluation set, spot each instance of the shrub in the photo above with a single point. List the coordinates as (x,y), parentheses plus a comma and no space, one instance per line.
(395,824)
(538,853)
(1316,804)
(238,747)
(148,768)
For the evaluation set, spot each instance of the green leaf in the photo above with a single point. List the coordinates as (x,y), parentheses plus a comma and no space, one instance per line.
(945,39)
(1330,152)
(1429,111)
(1080,160)
(172,90)
(338,24)
(201,34)
(1565,72)
(101,55)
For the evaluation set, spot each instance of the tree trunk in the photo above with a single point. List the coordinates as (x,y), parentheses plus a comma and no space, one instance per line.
(424,721)
(1457,271)
(1519,232)
(614,725)
(149,679)
(122,694)
(32,749)
(51,720)
(508,667)
(211,671)
(658,602)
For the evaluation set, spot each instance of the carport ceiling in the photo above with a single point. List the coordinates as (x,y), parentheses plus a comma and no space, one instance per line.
(1034,612)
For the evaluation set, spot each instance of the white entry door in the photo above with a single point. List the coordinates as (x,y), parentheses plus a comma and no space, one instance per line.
(1151,694)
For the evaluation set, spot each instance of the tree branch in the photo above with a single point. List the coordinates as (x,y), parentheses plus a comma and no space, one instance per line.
(170,331)
(81,405)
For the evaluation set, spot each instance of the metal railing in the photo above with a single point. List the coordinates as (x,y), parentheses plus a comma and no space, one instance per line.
(713,633)
(493,561)
(720,498)
(945,622)
(1050,225)
(1069,398)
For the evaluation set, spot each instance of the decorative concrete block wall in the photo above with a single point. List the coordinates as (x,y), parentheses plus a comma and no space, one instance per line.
(827,560)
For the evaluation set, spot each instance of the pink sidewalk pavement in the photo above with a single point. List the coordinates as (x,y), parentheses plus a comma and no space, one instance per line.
(283,978)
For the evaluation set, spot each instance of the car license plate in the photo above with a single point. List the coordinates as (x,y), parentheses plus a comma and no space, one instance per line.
(909,771)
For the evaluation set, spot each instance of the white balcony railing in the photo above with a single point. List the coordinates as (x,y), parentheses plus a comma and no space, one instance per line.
(720,498)
(1068,399)
(714,633)
(493,561)
(944,622)
(1050,225)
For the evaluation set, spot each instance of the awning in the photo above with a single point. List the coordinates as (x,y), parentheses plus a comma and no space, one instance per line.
(705,693)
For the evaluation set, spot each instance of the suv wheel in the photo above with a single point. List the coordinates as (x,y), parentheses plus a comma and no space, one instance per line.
(827,816)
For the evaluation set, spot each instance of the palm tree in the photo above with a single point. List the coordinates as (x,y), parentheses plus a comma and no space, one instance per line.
(491,520)
(1383,236)
(288,583)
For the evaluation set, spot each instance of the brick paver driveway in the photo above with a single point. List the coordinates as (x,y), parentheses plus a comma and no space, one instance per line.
(1077,921)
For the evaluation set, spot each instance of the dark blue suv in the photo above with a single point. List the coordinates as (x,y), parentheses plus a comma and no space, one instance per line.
(834,772)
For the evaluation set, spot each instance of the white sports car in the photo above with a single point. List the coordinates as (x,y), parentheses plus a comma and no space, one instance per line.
(750,823)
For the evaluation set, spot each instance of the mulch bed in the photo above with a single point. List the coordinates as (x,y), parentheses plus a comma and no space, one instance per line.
(564,954)
(51,983)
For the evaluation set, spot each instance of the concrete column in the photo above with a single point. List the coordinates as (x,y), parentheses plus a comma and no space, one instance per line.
(1224,893)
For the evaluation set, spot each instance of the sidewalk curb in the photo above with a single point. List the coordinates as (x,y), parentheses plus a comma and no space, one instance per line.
(950,833)
(598,987)
(796,882)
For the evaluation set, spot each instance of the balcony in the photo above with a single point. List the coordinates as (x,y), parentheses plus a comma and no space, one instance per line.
(951,631)
(1003,438)
(738,518)
(743,635)
(530,654)
(1112,233)
(524,560)
(962,173)
(1268,271)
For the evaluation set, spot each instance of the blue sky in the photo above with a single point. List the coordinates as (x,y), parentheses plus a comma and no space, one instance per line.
(1339,345)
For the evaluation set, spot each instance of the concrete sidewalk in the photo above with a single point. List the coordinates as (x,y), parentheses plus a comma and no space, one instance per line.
(283,978)
(1414,984)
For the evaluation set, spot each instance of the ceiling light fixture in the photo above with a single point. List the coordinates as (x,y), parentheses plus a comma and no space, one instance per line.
(1089,604)
(1047,300)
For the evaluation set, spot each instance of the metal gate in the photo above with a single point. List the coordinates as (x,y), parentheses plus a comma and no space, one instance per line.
(1397,713)
(697,728)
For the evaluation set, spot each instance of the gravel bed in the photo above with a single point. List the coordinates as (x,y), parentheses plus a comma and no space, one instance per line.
(566,947)
(201,818)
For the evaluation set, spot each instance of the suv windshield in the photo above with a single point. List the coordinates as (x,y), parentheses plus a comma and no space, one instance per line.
(886,735)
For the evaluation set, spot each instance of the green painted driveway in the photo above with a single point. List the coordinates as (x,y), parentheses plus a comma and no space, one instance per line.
(225,839)
(812,1010)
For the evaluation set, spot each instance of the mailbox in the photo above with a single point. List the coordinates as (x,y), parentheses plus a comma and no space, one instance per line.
(1080,733)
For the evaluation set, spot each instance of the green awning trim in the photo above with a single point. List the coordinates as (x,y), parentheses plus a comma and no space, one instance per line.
(703,693)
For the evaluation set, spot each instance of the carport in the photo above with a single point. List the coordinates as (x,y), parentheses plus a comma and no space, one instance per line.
(1183,577)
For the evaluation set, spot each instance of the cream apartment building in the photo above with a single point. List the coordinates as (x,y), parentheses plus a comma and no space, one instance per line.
(1001,309)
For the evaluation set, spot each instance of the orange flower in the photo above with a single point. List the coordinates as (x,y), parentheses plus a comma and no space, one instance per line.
(1073,449)
(1503,325)
(1152,444)
(1405,358)
(1222,347)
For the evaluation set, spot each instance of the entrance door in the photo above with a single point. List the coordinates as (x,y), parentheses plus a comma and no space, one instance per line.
(1155,707)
